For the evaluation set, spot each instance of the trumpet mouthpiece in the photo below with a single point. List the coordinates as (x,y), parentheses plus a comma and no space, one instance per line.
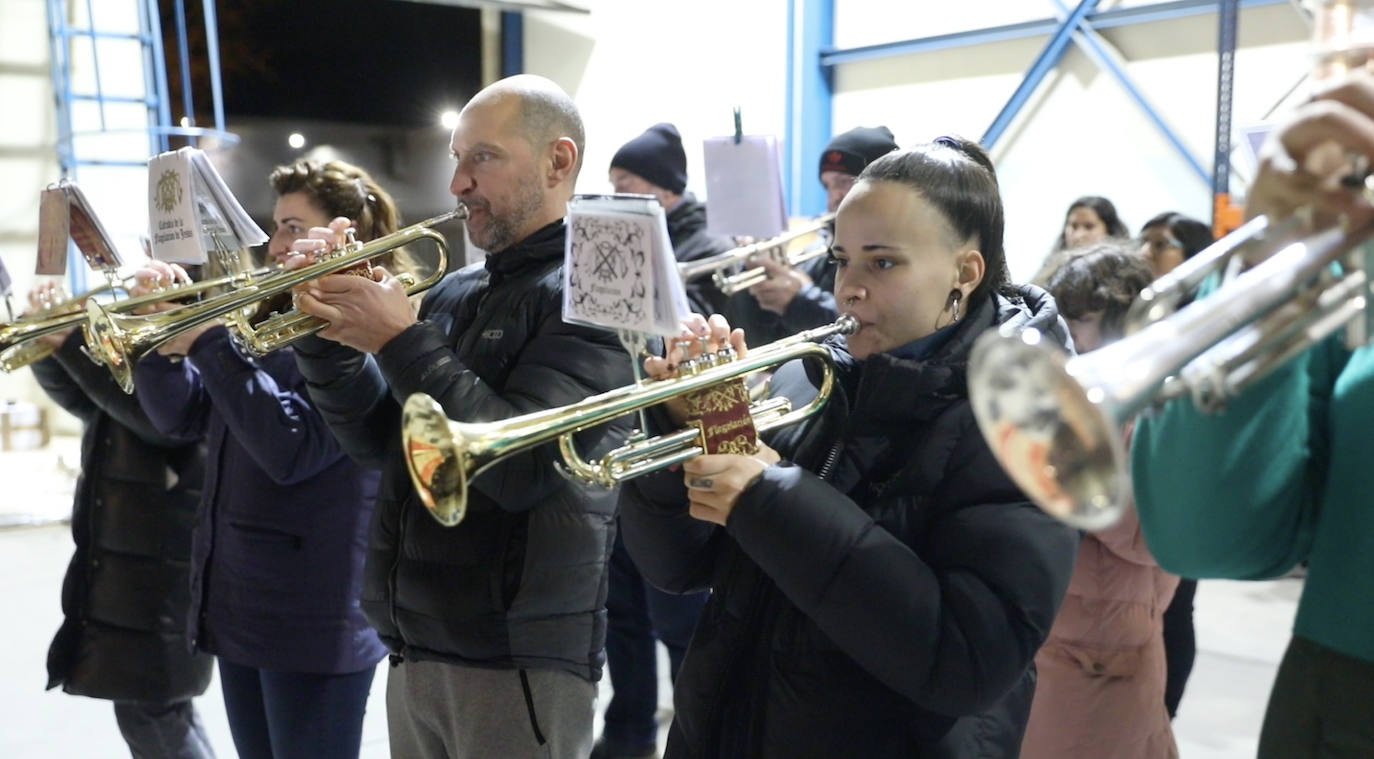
(847,324)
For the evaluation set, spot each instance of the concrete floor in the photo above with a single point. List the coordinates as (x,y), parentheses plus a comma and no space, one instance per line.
(1242,631)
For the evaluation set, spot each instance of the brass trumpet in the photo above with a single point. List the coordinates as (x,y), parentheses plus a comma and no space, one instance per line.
(19,344)
(119,340)
(18,339)
(730,284)
(1054,422)
(443,456)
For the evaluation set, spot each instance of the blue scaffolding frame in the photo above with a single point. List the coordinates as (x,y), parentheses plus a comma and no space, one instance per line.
(61,36)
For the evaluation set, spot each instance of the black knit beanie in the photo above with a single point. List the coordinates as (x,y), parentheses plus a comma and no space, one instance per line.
(849,152)
(656,156)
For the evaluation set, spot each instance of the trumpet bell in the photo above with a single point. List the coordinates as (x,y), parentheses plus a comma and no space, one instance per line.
(107,343)
(1056,434)
(1055,423)
(432,457)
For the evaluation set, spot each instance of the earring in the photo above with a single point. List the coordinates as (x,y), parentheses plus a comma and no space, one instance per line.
(954,296)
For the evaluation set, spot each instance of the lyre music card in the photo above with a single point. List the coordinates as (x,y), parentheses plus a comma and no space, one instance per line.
(619,271)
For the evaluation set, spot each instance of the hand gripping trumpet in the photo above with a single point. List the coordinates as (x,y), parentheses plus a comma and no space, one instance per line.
(1054,421)
(119,340)
(443,456)
(732,283)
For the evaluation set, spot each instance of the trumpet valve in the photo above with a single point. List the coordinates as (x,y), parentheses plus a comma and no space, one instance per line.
(690,365)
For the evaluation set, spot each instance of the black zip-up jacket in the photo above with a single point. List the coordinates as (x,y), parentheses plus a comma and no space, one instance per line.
(691,241)
(862,611)
(521,582)
(127,589)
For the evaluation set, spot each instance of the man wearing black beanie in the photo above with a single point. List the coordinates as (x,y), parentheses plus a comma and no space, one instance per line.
(639,615)
(654,163)
(796,299)
(846,155)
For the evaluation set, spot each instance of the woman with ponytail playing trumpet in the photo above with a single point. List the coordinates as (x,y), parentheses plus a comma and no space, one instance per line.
(278,553)
(879,587)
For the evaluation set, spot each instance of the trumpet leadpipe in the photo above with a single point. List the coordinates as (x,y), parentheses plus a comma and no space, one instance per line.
(690,270)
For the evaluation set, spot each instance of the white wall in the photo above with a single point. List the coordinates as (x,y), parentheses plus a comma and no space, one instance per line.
(1079,134)
(27,159)
(632,63)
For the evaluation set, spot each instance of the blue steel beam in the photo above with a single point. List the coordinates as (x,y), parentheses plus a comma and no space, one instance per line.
(95,64)
(60,63)
(810,28)
(212,54)
(188,107)
(1225,215)
(1046,61)
(158,73)
(1090,43)
(72,31)
(99,98)
(512,43)
(1035,28)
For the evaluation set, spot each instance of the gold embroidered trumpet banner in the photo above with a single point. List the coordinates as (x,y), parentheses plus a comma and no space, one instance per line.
(721,415)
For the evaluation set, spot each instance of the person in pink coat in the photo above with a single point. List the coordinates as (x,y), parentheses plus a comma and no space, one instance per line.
(1101,672)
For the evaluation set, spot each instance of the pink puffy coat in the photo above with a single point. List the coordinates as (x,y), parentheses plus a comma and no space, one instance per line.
(1100,692)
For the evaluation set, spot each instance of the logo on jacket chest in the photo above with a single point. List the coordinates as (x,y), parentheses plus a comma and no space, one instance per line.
(493,334)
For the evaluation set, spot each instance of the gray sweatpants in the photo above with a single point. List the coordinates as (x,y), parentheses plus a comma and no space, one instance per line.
(447,711)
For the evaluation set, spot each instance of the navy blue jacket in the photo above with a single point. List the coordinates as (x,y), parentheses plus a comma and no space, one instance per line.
(279,544)
(882,583)
(521,582)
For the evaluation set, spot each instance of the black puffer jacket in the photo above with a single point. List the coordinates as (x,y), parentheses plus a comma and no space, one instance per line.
(862,612)
(687,231)
(127,587)
(522,580)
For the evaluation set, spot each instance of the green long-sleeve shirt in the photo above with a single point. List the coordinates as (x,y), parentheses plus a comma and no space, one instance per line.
(1284,474)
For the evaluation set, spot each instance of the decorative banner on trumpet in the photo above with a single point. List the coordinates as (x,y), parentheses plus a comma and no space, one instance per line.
(722,417)
(619,271)
(191,211)
(63,213)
